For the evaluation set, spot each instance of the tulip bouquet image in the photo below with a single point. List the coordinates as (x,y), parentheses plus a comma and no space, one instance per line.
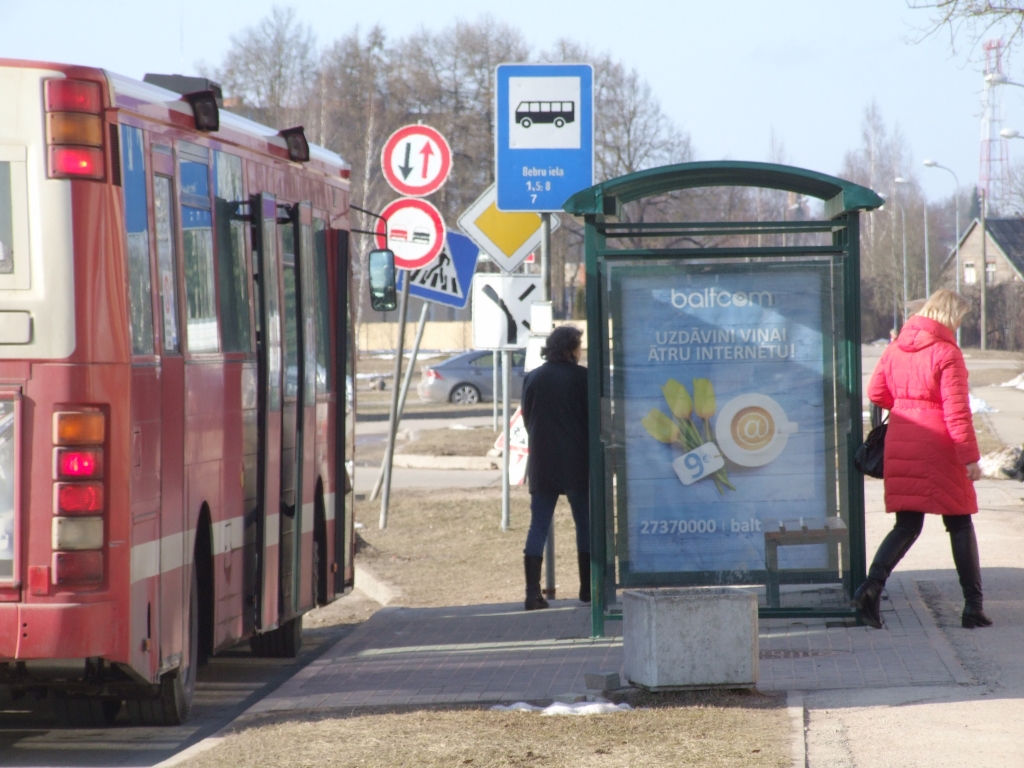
(688,415)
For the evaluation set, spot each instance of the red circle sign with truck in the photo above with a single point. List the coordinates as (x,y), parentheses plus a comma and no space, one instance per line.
(415,232)
(416,160)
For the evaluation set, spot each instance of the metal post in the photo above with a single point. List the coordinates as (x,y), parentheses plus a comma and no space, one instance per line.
(495,365)
(984,273)
(506,419)
(389,454)
(405,389)
(545,280)
(927,258)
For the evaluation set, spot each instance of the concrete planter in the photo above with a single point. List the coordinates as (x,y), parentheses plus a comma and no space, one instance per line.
(690,637)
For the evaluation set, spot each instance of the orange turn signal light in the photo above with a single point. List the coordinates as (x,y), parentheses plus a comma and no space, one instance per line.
(79,428)
(74,128)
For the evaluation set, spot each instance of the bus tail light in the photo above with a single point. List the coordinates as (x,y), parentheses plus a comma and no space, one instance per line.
(77,567)
(77,498)
(79,428)
(70,464)
(73,96)
(74,128)
(77,533)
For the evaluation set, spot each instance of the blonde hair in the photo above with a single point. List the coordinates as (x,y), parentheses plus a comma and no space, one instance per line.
(946,307)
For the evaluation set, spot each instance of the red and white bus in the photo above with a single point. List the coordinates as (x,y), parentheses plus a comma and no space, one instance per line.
(176,411)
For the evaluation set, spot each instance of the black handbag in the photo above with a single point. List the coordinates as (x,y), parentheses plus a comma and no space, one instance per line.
(870,456)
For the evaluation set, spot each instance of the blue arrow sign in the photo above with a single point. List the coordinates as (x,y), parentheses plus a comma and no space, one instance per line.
(446,280)
(544,143)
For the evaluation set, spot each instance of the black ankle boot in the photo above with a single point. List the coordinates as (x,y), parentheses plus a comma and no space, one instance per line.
(867,601)
(584,562)
(974,616)
(534,598)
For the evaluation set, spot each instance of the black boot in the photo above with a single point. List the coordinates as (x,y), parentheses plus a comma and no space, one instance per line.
(867,598)
(534,599)
(584,561)
(968,568)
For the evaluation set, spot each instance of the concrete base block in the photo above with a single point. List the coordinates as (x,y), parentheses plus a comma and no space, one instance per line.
(690,637)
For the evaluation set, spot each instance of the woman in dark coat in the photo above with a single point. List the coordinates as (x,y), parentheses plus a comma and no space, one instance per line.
(931,452)
(555,414)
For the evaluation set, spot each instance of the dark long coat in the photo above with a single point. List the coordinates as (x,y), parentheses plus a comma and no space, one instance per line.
(555,413)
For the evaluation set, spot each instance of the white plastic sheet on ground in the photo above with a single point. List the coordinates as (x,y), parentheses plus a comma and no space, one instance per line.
(579,708)
(980,406)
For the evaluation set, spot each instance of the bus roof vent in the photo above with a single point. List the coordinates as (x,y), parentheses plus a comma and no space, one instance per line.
(184,84)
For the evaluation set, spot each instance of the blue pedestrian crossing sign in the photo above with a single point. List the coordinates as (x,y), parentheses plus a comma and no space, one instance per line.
(447,278)
(544,143)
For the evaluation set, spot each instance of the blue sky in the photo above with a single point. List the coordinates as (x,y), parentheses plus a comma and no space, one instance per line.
(727,73)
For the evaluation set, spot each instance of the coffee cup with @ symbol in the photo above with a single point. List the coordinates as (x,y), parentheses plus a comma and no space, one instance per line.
(752,430)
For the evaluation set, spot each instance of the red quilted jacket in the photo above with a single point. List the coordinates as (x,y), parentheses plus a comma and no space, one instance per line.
(922,380)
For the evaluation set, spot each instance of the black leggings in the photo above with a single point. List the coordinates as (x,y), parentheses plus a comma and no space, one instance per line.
(903,535)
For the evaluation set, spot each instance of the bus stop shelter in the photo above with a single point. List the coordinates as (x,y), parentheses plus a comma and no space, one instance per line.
(725,392)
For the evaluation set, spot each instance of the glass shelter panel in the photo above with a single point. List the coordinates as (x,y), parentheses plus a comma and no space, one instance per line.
(727,457)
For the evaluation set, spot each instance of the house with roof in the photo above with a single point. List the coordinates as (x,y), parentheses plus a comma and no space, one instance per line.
(1004,246)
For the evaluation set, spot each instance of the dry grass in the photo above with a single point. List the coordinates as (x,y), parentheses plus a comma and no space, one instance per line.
(710,730)
(449,442)
(987,440)
(447,548)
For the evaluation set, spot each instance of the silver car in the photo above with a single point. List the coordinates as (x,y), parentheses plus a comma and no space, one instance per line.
(466,379)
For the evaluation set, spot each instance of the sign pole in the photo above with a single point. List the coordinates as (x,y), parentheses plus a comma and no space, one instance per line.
(506,373)
(405,388)
(495,365)
(389,454)
(545,287)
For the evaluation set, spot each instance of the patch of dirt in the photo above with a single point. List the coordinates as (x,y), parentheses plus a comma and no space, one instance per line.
(991,377)
(987,440)
(446,547)
(450,442)
(721,730)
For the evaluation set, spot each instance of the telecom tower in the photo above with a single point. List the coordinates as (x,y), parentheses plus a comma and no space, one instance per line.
(993,176)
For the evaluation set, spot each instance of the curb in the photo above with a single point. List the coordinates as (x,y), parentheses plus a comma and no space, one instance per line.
(418,461)
(795,709)
(935,635)
(375,589)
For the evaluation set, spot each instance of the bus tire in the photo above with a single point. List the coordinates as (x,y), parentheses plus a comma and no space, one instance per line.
(285,642)
(559,122)
(526,122)
(86,713)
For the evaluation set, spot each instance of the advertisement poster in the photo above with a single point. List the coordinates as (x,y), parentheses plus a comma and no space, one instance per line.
(724,414)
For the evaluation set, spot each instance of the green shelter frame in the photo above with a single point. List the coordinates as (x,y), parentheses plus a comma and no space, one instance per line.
(599,206)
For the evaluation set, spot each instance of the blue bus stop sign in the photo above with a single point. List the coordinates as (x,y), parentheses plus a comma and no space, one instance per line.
(544,150)
(446,280)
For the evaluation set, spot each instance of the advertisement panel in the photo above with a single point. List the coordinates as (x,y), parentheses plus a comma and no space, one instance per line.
(723,376)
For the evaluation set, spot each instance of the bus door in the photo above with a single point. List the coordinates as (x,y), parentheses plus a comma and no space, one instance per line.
(268,405)
(174,538)
(296,225)
(305,469)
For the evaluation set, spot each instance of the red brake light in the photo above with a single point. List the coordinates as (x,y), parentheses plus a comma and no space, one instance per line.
(432,375)
(73,96)
(79,498)
(82,463)
(84,162)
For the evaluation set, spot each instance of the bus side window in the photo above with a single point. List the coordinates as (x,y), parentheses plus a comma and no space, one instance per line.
(163,215)
(323,309)
(232,278)
(197,239)
(136,223)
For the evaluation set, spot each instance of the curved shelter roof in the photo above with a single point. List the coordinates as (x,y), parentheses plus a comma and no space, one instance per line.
(840,196)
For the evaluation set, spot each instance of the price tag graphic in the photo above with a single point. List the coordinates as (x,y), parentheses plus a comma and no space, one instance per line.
(698,463)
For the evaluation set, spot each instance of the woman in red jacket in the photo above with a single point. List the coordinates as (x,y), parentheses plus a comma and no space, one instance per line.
(931,452)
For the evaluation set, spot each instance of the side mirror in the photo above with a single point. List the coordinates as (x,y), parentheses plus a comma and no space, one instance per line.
(383,293)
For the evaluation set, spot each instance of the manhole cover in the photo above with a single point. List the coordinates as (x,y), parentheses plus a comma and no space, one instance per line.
(793,654)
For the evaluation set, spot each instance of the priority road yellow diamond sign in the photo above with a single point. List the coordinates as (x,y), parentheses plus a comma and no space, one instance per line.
(507,238)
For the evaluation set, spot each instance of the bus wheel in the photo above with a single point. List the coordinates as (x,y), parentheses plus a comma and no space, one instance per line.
(177,689)
(285,642)
(526,122)
(86,713)
(559,122)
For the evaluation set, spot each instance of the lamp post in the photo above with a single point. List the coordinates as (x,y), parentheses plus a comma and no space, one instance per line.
(956,202)
(903,225)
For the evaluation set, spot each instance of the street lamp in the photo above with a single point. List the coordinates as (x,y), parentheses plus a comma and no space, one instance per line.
(903,215)
(956,201)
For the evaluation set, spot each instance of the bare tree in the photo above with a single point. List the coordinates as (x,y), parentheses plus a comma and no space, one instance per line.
(974,20)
